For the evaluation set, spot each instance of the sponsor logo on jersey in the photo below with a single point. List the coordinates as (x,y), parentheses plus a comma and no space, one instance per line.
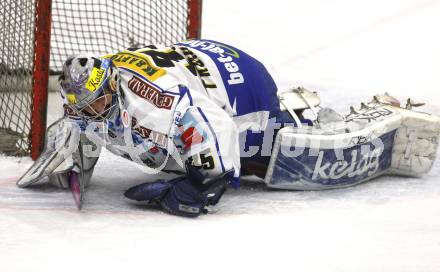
(138,63)
(150,93)
(198,68)
(95,80)
(146,133)
(226,56)
(190,136)
(213,47)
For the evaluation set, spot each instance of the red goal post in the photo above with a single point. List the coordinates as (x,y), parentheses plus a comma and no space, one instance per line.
(41,34)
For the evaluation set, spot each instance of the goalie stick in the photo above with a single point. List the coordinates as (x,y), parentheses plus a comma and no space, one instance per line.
(75,181)
(76,189)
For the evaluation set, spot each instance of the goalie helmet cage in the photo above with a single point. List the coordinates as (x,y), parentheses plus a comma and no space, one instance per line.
(36,36)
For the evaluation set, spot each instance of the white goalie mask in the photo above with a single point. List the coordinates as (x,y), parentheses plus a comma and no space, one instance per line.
(89,87)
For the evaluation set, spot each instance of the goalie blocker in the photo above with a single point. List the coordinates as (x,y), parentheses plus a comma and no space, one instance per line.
(379,138)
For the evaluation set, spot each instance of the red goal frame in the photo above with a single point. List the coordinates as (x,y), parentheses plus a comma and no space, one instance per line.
(42,32)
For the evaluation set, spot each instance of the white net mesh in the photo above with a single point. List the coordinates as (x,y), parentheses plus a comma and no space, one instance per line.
(78,26)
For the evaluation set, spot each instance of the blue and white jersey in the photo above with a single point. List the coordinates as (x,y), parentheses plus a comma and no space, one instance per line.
(236,81)
(188,103)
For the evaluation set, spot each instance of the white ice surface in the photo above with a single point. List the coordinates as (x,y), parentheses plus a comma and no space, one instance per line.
(345,50)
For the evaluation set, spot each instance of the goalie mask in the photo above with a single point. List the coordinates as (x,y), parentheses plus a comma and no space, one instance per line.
(89,87)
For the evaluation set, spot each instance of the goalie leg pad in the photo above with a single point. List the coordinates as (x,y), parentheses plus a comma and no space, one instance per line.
(415,144)
(393,141)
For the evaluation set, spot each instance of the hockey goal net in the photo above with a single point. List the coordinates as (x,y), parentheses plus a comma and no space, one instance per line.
(36,36)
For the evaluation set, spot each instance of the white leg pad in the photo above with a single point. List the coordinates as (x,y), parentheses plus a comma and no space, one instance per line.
(379,139)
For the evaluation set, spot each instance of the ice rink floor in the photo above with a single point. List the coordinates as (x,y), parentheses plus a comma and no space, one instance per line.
(347,51)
